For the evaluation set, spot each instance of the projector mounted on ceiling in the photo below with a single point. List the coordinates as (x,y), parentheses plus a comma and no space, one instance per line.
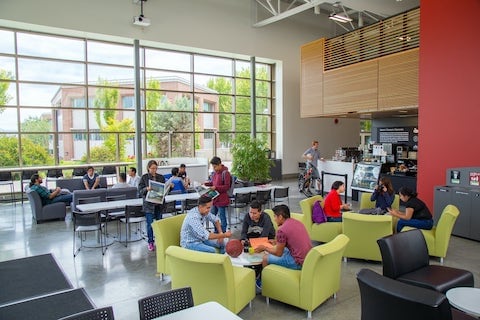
(141,20)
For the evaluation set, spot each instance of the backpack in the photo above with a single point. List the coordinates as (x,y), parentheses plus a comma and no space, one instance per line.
(232,184)
(318,215)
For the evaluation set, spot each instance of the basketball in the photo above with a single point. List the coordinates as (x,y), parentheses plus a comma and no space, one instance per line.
(234,248)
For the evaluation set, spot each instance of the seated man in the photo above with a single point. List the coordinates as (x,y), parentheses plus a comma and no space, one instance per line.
(292,241)
(48,196)
(91,179)
(193,234)
(122,181)
(256,223)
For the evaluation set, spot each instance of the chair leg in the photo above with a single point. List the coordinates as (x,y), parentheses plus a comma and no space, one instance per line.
(309,314)
(441,261)
(268,300)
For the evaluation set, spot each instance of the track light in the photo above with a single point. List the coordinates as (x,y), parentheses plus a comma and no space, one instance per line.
(141,20)
(339,18)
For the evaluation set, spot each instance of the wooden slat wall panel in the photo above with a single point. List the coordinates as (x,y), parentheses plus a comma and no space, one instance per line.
(352,88)
(398,80)
(311,93)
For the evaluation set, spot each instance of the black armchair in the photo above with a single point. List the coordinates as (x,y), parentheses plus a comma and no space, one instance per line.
(405,258)
(384,298)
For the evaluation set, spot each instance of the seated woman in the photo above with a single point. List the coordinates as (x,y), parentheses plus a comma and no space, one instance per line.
(383,195)
(416,213)
(333,203)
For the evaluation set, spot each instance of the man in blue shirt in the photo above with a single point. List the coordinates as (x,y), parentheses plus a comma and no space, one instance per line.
(193,234)
(46,195)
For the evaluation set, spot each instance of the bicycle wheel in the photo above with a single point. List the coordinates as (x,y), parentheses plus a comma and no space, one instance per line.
(301,182)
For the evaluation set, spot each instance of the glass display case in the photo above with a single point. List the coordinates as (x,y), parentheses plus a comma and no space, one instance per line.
(366,176)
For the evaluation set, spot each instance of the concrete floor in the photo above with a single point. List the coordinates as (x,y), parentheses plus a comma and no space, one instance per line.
(124,275)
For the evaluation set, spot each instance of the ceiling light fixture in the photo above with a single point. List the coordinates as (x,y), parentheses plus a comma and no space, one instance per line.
(339,18)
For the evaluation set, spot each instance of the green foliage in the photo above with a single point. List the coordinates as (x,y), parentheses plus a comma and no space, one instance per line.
(250,162)
(32,154)
(100,154)
(164,117)
(105,103)
(4,96)
(37,124)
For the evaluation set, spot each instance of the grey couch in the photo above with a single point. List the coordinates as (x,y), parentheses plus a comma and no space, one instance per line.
(103,193)
(48,212)
(77,183)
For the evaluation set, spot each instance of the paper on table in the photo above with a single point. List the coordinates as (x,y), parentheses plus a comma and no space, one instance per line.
(255,242)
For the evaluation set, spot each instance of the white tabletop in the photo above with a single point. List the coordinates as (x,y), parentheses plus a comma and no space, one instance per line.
(466,299)
(209,310)
(247,259)
(111,205)
(254,189)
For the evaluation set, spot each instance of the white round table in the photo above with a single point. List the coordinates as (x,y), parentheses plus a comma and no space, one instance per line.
(465,299)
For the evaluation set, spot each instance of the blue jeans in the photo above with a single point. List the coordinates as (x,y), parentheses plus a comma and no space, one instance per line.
(330,219)
(285,260)
(207,246)
(223,217)
(157,215)
(67,198)
(415,223)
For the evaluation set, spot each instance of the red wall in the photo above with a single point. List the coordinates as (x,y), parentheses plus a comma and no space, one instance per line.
(449,80)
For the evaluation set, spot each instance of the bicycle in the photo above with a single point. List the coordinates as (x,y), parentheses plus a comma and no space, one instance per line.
(306,182)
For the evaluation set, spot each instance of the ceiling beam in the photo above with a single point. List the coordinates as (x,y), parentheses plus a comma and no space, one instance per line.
(277,16)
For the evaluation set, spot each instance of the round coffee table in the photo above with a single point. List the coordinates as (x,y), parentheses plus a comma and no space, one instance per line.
(247,259)
(465,299)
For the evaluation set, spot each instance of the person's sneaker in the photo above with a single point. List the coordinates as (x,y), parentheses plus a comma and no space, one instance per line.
(151,246)
(258,285)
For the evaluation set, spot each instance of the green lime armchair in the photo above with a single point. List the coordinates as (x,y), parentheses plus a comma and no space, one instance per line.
(366,203)
(438,237)
(167,233)
(364,230)
(211,277)
(318,280)
(323,232)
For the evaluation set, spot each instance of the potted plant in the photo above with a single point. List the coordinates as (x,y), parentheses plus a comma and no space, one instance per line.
(250,161)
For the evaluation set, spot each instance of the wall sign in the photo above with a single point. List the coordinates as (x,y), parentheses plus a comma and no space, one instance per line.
(399,135)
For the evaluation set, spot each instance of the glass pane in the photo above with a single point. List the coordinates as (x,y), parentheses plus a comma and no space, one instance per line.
(50,71)
(213,65)
(38,94)
(9,150)
(226,122)
(119,76)
(225,144)
(37,149)
(242,105)
(157,145)
(243,87)
(264,136)
(173,101)
(50,46)
(74,120)
(263,123)
(225,103)
(206,102)
(242,68)
(263,88)
(110,53)
(7,43)
(182,145)
(7,69)
(72,147)
(262,72)
(36,120)
(168,80)
(167,60)
(169,121)
(8,94)
(205,144)
(206,121)
(243,123)
(127,99)
(263,106)
(218,84)
(8,120)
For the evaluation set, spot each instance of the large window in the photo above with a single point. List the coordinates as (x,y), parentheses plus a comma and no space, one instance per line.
(66,100)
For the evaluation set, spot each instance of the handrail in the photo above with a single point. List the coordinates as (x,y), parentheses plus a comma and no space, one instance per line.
(71,166)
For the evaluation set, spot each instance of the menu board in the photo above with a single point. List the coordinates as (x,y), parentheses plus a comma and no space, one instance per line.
(474,178)
(399,135)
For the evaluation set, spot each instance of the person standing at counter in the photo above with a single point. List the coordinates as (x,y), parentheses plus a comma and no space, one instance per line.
(383,195)
(151,210)
(311,156)
(333,204)
(416,215)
